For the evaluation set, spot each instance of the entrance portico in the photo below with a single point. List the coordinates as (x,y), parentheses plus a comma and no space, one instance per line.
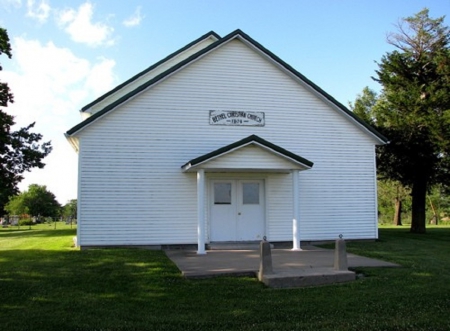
(240,197)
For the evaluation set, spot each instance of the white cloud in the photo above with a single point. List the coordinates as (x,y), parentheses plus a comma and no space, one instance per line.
(50,85)
(78,24)
(101,77)
(11,3)
(40,11)
(134,19)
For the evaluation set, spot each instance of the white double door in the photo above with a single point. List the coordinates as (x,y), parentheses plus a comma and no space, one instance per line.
(237,210)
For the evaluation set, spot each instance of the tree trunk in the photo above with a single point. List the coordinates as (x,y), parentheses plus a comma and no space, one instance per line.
(398,212)
(419,195)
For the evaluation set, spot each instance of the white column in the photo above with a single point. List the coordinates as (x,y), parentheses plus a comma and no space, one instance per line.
(295,212)
(201,211)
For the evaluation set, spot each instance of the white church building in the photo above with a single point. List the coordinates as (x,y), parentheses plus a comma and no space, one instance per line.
(222,141)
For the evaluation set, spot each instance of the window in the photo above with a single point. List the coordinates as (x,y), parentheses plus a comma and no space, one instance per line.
(222,193)
(250,193)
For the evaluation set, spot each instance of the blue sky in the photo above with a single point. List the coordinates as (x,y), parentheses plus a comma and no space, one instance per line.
(67,53)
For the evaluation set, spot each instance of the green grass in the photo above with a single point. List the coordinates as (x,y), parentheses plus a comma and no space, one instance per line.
(45,284)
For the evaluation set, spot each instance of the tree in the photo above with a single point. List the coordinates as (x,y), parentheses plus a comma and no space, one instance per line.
(394,202)
(20,150)
(37,201)
(414,111)
(365,105)
(70,209)
(16,205)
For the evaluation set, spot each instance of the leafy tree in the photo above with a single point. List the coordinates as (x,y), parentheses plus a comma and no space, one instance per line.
(19,150)
(365,105)
(70,209)
(16,205)
(414,110)
(37,201)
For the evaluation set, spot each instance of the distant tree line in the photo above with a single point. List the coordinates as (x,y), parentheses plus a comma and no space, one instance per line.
(37,202)
(394,204)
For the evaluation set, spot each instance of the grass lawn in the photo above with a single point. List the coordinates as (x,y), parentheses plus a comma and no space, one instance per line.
(45,284)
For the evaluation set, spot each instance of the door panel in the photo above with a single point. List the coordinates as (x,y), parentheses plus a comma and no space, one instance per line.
(223,211)
(250,214)
(237,210)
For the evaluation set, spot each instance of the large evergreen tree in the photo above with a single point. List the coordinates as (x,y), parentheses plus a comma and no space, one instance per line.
(414,109)
(19,150)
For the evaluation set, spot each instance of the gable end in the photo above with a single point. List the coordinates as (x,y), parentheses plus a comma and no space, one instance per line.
(249,41)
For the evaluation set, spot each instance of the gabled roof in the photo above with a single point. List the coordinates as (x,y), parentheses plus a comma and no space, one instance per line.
(249,41)
(253,139)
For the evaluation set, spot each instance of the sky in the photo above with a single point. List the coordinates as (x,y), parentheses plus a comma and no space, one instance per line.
(68,53)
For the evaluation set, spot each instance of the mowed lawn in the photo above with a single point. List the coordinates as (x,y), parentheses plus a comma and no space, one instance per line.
(46,284)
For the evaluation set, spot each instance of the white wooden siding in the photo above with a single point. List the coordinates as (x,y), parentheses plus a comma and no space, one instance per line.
(280,207)
(132,190)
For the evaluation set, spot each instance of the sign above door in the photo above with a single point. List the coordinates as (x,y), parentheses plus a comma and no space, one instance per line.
(236,118)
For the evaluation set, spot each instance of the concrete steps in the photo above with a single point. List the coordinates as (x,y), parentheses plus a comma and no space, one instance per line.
(307,277)
(302,277)
(234,246)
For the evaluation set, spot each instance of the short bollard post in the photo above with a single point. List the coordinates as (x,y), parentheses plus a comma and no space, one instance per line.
(340,255)
(265,259)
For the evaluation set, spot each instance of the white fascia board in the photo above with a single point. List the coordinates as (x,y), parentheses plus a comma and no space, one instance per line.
(73,141)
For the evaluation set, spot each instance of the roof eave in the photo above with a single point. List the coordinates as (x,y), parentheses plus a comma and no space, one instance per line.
(73,141)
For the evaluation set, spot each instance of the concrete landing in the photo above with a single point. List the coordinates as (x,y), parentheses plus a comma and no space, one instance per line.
(298,266)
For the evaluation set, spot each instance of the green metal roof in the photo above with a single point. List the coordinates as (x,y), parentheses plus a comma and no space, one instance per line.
(195,56)
(243,142)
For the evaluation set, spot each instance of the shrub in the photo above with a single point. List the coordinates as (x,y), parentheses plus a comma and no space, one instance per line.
(26,221)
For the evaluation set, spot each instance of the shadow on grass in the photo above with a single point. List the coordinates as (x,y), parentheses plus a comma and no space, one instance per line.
(424,251)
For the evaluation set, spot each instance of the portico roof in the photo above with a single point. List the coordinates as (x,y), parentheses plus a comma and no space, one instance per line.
(288,160)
